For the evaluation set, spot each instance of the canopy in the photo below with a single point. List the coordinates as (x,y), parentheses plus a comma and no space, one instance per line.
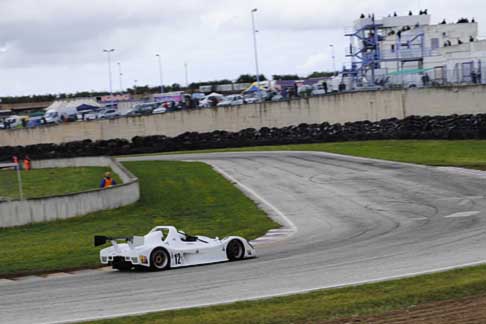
(410,71)
(254,87)
(86,107)
(214,94)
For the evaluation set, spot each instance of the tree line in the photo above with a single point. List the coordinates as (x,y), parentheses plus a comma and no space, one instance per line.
(144,90)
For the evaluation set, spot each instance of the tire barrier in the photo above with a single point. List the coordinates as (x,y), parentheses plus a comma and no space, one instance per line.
(453,127)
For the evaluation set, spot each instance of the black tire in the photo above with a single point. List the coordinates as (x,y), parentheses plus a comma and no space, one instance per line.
(159,260)
(235,250)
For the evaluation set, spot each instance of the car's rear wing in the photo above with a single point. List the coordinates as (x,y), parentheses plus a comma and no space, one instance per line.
(131,240)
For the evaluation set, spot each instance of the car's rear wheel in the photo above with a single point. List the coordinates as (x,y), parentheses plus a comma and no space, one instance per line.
(159,260)
(235,250)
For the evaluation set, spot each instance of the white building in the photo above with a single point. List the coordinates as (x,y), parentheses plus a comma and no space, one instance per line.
(402,49)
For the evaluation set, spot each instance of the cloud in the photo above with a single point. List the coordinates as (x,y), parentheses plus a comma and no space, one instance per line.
(56,45)
(315,62)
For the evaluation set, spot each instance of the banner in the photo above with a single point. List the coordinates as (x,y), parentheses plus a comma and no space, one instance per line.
(176,96)
(115,98)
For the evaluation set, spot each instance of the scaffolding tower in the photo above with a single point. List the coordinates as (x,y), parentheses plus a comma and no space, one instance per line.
(372,45)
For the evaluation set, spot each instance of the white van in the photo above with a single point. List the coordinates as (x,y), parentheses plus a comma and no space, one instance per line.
(57,115)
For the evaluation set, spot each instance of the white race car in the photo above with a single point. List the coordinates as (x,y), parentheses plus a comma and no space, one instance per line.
(165,247)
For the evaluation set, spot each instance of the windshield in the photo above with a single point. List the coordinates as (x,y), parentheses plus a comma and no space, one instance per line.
(51,114)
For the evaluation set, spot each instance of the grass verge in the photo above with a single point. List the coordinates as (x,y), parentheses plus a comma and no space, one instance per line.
(50,182)
(191,196)
(321,305)
(469,153)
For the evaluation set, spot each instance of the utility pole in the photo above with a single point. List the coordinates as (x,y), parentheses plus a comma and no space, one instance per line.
(120,75)
(333,55)
(186,74)
(160,73)
(255,31)
(108,52)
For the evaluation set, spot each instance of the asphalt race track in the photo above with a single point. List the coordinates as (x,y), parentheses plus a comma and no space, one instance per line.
(357,220)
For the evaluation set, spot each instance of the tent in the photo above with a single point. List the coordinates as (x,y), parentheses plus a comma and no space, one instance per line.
(214,94)
(254,87)
(86,107)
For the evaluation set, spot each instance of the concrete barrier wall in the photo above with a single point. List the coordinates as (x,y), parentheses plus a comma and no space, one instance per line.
(339,108)
(21,212)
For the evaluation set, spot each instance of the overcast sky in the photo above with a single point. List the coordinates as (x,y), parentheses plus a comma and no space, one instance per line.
(53,46)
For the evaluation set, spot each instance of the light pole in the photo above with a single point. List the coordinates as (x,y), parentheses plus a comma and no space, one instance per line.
(120,75)
(160,73)
(135,87)
(255,45)
(186,73)
(333,58)
(108,53)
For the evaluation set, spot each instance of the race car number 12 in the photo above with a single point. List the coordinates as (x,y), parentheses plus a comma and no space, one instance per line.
(178,258)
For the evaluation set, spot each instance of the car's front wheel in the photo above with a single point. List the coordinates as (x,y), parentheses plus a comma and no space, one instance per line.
(235,250)
(159,260)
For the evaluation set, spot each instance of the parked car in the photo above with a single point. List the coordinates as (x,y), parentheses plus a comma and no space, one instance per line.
(143,109)
(13,121)
(278,97)
(109,114)
(160,110)
(251,99)
(233,100)
(211,100)
(35,121)
(92,115)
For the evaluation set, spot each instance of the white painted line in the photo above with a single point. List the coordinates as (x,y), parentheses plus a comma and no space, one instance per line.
(463,171)
(28,279)
(463,214)
(6,281)
(58,275)
(275,234)
(280,230)
(262,238)
(258,197)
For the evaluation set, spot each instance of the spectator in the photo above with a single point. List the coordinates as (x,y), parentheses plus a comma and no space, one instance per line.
(107,181)
(24,122)
(395,14)
(410,13)
(15,160)
(443,22)
(27,164)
